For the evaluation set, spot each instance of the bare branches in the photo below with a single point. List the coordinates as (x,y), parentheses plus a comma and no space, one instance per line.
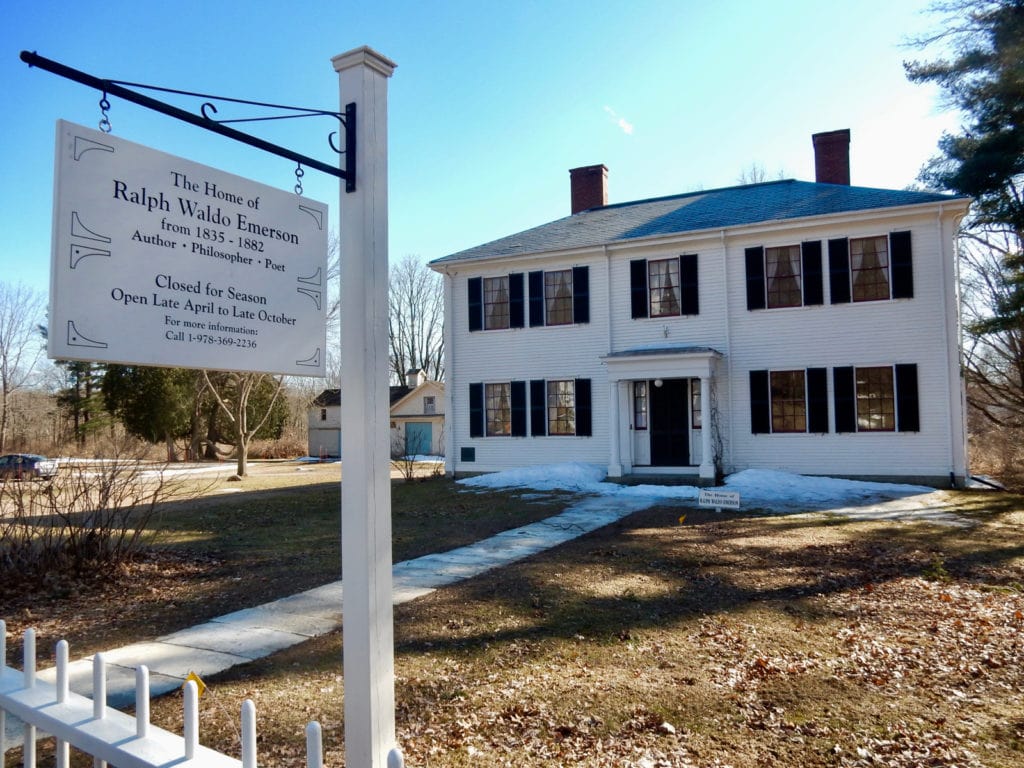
(21,310)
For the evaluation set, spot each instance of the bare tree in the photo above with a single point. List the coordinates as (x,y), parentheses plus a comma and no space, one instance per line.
(234,394)
(416,319)
(20,312)
(993,357)
(756,173)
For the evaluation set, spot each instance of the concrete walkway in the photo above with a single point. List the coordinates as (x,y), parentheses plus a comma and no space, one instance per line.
(252,633)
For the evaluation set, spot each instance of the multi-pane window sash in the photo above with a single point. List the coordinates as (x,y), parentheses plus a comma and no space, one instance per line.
(496,303)
(640,405)
(876,399)
(561,408)
(789,401)
(782,269)
(498,408)
(663,283)
(869,268)
(558,297)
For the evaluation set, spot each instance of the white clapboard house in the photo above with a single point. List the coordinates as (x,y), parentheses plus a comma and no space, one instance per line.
(804,326)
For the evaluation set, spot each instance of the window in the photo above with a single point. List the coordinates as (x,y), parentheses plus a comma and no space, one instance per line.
(496,303)
(561,408)
(323,414)
(873,268)
(429,404)
(639,405)
(784,276)
(498,408)
(876,400)
(560,297)
(869,268)
(664,287)
(789,401)
(881,398)
(663,284)
(782,269)
(695,420)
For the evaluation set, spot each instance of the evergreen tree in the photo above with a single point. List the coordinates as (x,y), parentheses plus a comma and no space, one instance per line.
(983,78)
(155,404)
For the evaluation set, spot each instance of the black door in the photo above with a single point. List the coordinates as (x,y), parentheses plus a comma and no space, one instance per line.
(670,433)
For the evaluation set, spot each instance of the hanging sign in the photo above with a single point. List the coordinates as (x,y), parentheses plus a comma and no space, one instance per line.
(161,261)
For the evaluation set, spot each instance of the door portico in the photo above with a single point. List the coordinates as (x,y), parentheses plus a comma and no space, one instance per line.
(660,410)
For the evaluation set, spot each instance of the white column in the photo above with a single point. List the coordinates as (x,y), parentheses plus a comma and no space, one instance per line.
(366,486)
(614,428)
(707,460)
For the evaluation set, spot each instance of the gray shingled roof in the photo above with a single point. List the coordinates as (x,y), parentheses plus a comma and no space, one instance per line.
(695,211)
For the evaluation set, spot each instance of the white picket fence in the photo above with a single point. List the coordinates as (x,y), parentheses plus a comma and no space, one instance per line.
(109,735)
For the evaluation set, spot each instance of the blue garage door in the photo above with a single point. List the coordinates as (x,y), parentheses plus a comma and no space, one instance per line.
(418,437)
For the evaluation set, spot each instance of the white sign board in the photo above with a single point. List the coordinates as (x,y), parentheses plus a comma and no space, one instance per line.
(161,261)
(712,497)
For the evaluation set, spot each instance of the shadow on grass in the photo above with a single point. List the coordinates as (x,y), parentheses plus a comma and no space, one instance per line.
(646,572)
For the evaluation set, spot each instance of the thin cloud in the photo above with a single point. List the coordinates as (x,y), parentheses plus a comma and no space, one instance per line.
(623,123)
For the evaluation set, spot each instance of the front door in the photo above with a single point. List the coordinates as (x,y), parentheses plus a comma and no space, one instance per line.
(669,423)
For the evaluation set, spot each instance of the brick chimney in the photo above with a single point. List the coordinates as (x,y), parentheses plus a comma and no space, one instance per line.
(832,157)
(589,187)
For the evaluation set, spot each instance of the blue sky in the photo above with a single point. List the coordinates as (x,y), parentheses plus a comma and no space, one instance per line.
(491,103)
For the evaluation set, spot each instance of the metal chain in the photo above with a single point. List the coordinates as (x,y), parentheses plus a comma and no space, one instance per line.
(299,173)
(105,120)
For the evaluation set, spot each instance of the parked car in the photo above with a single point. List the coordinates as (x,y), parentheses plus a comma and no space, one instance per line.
(27,466)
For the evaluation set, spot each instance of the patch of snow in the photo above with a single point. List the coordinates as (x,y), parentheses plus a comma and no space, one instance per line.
(771,489)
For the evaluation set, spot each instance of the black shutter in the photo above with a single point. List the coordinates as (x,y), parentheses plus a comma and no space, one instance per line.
(475,286)
(755,278)
(538,407)
(581,294)
(845,394)
(583,408)
(760,403)
(907,409)
(536,285)
(689,291)
(817,400)
(839,270)
(476,410)
(518,408)
(902,265)
(638,287)
(810,256)
(516,301)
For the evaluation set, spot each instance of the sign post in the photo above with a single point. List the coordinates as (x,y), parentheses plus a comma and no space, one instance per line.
(369,671)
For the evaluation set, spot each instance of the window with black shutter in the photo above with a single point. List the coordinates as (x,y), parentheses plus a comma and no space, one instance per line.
(584,410)
(755,277)
(689,293)
(908,418)
(760,403)
(538,407)
(902,265)
(839,270)
(475,301)
(810,255)
(476,410)
(638,288)
(581,294)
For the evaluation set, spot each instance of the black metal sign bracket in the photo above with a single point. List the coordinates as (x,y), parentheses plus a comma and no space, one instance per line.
(205,120)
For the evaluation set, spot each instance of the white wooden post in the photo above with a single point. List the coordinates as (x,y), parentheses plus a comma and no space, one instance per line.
(366,468)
